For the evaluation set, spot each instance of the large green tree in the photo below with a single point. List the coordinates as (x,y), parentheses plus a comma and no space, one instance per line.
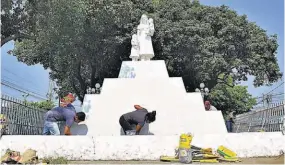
(202,42)
(231,99)
(82,42)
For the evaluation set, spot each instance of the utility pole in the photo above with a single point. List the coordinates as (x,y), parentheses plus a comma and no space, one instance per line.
(50,93)
(25,96)
(266,99)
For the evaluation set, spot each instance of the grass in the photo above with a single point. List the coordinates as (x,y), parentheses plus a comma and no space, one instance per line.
(58,160)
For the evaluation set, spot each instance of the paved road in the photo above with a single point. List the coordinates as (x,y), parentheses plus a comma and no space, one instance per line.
(272,160)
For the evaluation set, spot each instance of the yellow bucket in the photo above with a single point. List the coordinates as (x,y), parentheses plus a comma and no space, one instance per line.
(185,141)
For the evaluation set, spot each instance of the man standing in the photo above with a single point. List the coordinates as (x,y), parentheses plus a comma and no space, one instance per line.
(209,107)
(65,112)
(229,121)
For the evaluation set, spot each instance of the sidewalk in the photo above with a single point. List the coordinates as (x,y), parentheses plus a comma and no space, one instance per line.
(262,160)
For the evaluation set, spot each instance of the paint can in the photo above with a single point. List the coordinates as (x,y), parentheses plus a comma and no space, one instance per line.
(185,152)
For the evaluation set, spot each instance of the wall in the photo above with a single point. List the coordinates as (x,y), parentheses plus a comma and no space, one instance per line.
(141,147)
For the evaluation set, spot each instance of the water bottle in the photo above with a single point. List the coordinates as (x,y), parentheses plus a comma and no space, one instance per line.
(185,152)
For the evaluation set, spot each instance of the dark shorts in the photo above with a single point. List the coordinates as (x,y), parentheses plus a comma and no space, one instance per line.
(125,124)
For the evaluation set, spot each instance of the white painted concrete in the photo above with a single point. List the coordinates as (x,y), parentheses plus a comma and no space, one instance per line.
(144,69)
(141,147)
(151,87)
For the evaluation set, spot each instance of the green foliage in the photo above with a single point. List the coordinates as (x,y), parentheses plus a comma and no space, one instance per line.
(18,20)
(201,42)
(47,105)
(83,42)
(227,98)
(59,160)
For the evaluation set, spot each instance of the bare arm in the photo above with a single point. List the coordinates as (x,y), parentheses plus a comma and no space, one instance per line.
(138,128)
(67,130)
(67,126)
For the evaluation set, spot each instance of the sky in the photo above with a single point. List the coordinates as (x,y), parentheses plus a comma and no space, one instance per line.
(269,14)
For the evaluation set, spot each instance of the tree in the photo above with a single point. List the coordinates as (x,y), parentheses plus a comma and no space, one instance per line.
(81,43)
(47,105)
(18,20)
(235,98)
(201,42)
(85,41)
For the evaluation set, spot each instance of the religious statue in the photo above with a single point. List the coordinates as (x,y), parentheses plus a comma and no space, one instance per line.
(144,48)
(135,48)
(144,32)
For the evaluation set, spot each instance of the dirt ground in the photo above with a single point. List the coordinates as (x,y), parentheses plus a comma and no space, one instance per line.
(261,160)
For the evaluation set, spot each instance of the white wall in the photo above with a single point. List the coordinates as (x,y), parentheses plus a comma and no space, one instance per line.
(140,147)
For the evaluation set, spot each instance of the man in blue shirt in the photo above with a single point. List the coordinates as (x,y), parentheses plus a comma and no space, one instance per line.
(61,114)
(65,113)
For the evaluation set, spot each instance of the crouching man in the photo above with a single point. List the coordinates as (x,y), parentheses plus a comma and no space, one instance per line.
(61,114)
(138,117)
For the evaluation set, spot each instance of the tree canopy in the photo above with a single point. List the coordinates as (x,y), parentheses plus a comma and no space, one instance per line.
(202,42)
(83,42)
(234,99)
(18,20)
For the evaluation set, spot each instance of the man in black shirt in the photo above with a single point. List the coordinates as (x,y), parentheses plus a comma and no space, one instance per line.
(138,117)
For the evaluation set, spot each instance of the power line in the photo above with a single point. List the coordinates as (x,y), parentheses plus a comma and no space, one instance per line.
(19,87)
(277,94)
(8,79)
(19,76)
(31,94)
(275,88)
(20,90)
(271,91)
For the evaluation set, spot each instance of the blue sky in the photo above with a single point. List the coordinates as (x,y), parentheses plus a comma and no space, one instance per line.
(269,14)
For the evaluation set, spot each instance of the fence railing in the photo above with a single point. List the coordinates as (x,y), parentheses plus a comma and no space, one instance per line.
(21,118)
(269,119)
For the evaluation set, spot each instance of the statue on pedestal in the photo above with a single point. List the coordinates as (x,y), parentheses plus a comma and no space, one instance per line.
(135,48)
(141,42)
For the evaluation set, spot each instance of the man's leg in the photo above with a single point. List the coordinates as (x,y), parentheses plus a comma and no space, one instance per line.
(54,129)
(231,126)
(46,128)
(228,125)
(125,124)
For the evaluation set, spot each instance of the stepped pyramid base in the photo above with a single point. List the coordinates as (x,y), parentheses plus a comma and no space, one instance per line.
(147,83)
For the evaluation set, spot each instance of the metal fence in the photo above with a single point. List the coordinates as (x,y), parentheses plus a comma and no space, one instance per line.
(21,118)
(269,119)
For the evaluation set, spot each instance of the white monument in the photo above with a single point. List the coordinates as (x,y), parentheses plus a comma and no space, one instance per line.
(141,42)
(135,48)
(145,82)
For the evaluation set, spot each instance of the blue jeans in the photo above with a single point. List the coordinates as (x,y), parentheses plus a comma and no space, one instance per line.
(229,125)
(51,128)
